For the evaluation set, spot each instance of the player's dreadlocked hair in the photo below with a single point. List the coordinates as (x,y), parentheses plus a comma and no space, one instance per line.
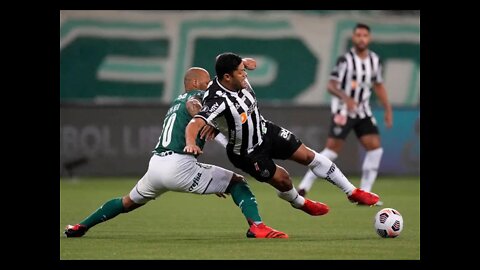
(226,63)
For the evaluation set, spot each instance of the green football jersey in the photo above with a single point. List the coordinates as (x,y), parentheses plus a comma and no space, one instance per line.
(176,120)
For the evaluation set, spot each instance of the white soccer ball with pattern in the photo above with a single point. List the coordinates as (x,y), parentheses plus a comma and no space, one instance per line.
(388,223)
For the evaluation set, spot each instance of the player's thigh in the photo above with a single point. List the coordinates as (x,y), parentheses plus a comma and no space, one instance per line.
(144,191)
(160,172)
(367,132)
(209,179)
(281,179)
(335,144)
(304,155)
(370,141)
(257,164)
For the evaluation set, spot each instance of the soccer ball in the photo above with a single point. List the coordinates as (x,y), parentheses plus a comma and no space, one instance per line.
(388,223)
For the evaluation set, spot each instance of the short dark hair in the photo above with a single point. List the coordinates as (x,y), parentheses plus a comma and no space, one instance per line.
(361,25)
(226,63)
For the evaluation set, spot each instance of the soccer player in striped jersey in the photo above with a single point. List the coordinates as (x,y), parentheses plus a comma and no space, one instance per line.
(351,80)
(231,106)
(170,169)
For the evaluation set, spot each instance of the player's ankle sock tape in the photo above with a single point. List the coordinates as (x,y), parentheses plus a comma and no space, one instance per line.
(292,197)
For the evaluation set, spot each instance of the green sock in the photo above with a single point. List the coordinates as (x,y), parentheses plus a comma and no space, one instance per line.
(244,198)
(107,211)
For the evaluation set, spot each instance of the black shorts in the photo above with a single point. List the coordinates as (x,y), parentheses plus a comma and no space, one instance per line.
(278,143)
(362,127)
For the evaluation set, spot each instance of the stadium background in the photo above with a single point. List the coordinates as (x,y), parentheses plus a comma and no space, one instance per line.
(120,69)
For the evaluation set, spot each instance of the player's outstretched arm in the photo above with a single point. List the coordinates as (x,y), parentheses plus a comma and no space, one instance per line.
(208,132)
(191,133)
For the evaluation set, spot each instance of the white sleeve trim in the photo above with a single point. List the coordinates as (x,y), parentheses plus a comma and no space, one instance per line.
(206,120)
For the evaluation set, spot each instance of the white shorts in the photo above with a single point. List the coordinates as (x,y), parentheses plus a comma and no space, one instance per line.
(182,173)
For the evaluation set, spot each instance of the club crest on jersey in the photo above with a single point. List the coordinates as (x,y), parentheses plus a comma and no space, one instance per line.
(337,130)
(243,117)
(264,128)
(265,173)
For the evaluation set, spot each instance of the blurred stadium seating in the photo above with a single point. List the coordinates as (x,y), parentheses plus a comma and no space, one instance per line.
(120,69)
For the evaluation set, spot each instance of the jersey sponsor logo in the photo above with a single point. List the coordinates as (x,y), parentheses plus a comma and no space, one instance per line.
(196,179)
(285,134)
(214,107)
(243,117)
(205,108)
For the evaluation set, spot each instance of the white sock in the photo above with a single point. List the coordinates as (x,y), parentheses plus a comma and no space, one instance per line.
(325,168)
(307,181)
(309,178)
(370,168)
(329,154)
(292,197)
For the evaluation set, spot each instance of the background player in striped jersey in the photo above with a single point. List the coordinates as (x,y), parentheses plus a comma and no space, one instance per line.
(355,73)
(170,169)
(230,105)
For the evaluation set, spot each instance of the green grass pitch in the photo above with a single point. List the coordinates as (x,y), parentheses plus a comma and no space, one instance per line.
(186,226)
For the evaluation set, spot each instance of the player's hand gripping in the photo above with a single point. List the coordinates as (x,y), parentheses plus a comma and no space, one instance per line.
(351,104)
(192,149)
(250,63)
(208,132)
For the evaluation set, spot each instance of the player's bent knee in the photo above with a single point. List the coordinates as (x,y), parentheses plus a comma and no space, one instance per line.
(281,180)
(310,156)
(237,178)
(304,155)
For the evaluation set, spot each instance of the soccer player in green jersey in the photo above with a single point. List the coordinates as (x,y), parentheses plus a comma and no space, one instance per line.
(171,169)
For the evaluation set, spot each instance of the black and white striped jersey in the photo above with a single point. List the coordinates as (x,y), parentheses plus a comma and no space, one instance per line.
(356,77)
(235,114)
